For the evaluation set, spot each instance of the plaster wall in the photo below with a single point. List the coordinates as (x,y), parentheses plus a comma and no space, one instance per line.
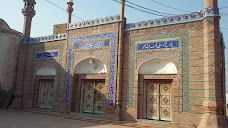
(9,47)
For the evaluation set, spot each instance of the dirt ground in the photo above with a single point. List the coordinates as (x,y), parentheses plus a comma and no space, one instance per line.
(18,119)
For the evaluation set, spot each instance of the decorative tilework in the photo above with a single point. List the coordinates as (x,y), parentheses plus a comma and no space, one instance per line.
(47,55)
(158,45)
(57,63)
(88,45)
(183,35)
(211,12)
(110,35)
(79,55)
(89,23)
(172,55)
(55,37)
(195,16)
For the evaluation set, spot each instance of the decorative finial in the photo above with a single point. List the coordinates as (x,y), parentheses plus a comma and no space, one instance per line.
(70,1)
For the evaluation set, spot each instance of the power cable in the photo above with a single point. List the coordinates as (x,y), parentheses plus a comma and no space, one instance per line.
(169,6)
(223,7)
(64,9)
(117,1)
(148,8)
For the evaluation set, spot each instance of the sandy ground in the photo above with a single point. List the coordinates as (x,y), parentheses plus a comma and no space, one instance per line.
(18,119)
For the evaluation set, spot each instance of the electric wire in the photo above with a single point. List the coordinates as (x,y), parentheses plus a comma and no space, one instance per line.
(148,8)
(169,6)
(117,1)
(223,7)
(63,9)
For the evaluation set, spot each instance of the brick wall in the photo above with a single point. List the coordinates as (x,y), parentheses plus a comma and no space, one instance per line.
(188,106)
(187,85)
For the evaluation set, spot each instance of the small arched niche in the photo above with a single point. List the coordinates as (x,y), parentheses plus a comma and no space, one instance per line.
(158,66)
(46,70)
(90,66)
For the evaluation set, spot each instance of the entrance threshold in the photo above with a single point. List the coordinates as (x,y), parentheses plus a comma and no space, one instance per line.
(101,116)
(149,121)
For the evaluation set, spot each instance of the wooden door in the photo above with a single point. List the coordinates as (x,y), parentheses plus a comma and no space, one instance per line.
(165,109)
(46,93)
(93,101)
(99,98)
(152,100)
(158,99)
(88,97)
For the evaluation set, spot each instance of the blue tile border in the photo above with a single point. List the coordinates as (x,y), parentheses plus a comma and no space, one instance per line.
(110,35)
(158,45)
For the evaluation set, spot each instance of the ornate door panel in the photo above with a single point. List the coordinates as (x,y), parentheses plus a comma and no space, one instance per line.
(99,98)
(93,101)
(158,99)
(46,93)
(152,100)
(88,97)
(165,109)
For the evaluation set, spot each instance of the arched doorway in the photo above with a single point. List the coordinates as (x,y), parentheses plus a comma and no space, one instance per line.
(155,80)
(44,87)
(88,94)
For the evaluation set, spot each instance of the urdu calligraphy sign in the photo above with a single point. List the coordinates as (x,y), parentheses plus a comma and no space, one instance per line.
(88,45)
(159,45)
(47,55)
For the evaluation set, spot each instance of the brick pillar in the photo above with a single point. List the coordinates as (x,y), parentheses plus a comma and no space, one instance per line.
(18,93)
(120,59)
(213,102)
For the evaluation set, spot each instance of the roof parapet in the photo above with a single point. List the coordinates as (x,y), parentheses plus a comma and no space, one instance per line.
(195,16)
(98,21)
(191,17)
(49,38)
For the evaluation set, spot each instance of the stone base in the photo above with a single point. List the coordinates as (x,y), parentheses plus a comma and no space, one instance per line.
(213,117)
(213,121)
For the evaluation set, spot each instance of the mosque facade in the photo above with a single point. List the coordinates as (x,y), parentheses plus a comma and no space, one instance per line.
(168,70)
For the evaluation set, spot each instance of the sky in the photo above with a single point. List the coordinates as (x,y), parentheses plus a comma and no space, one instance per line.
(47,14)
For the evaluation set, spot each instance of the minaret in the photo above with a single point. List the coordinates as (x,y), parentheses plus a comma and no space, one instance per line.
(213,103)
(28,12)
(70,10)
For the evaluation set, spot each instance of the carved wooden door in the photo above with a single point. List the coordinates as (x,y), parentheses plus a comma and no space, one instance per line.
(152,100)
(158,98)
(88,97)
(165,109)
(93,101)
(46,93)
(99,98)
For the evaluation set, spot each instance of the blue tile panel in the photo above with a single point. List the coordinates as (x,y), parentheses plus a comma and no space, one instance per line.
(88,45)
(158,45)
(112,37)
(45,55)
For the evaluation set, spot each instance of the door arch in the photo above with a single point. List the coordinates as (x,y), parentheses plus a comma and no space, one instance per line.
(89,83)
(157,89)
(44,89)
